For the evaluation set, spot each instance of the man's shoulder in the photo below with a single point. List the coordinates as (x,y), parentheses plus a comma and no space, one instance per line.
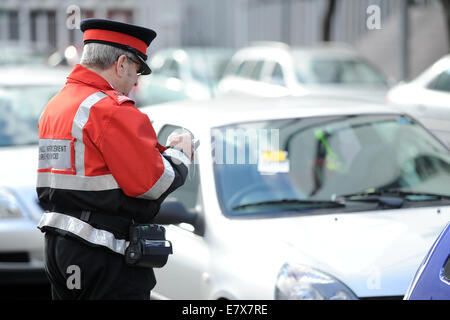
(118,98)
(116,104)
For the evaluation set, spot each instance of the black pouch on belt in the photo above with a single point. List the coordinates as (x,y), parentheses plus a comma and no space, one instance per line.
(148,246)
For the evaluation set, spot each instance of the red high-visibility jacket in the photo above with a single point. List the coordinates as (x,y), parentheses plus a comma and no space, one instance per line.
(99,153)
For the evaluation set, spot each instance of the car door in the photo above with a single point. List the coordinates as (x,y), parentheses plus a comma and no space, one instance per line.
(182,276)
(432,279)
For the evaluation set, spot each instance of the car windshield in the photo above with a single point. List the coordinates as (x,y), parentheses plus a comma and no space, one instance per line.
(339,71)
(20,108)
(20,56)
(310,162)
(209,66)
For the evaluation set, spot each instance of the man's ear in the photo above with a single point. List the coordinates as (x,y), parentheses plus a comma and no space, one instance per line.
(120,66)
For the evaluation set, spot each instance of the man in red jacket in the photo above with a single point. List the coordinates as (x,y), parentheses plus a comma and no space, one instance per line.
(101,168)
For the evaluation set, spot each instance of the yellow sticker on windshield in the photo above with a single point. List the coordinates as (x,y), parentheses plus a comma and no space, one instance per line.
(272,162)
(274,156)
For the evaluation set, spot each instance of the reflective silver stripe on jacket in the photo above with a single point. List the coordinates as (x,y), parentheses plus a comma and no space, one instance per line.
(163,183)
(83,230)
(177,156)
(166,179)
(72,182)
(79,121)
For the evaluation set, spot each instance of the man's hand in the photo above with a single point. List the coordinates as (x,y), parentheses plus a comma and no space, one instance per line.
(182,142)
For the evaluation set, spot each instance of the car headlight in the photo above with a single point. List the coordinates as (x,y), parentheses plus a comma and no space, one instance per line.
(298,282)
(10,206)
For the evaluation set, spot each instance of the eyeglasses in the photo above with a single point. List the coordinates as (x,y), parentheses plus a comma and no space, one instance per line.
(141,67)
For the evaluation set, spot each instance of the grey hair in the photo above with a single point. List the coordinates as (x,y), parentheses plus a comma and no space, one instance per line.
(102,56)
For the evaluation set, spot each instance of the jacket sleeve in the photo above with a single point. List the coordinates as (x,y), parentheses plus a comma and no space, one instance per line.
(140,165)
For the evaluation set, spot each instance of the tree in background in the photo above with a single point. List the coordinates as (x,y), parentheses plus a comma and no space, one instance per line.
(446,5)
(326,22)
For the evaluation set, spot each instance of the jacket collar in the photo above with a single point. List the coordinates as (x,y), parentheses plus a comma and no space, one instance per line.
(81,74)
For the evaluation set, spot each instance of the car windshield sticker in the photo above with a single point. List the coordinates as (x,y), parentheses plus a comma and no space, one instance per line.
(55,154)
(272,162)
(403,120)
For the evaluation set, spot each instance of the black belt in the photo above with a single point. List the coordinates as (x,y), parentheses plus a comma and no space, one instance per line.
(118,225)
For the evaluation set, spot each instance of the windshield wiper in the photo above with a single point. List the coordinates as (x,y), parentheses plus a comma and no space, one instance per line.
(393,202)
(397,193)
(404,194)
(314,204)
(394,198)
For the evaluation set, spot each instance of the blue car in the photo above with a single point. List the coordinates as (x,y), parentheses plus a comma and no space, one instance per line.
(432,280)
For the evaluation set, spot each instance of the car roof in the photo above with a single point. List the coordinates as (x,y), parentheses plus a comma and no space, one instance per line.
(231,109)
(195,51)
(436,68)
(325,51)
(279,51)
(194,48)
(14,76)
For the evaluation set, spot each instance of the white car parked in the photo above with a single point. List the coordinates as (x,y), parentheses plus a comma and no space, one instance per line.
(274,69)
(300,198)
(183,73)
(24,92)
(427,98)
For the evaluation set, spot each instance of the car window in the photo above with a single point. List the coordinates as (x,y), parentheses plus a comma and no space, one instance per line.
(277,76)
(349,71)
(246,68)
(256,72)
(447,270)
(189,192)
(172,69)
(237,68)
(20,108)
(441,82)
(209,67)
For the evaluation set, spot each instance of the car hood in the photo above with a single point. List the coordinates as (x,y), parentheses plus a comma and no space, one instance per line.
(412,94)
(373,253)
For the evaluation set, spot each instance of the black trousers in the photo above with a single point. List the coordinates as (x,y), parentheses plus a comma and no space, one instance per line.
(77,270)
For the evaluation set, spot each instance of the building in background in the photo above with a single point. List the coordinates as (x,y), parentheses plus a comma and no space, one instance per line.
(42,24)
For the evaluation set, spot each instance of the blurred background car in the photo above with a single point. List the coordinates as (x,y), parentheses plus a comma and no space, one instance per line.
(427,97)
(300,198)
(24,92)
(275,69)
(432,280)
(14,55)
(182,73)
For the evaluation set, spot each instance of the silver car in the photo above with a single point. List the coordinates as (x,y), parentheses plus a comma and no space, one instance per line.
(274,69)
(183,73)
(300,198)
(427,97)
(24,92)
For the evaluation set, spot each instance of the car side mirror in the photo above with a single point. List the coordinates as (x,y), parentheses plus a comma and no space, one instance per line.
(174,212)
